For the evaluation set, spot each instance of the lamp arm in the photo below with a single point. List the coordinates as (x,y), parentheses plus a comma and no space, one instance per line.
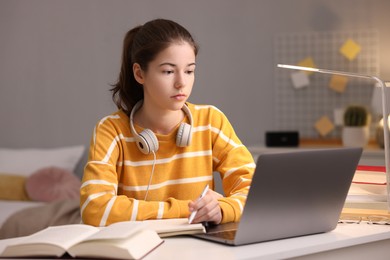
(384,111)
(385,134)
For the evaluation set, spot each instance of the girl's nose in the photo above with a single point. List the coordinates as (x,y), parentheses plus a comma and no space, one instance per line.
(180,81)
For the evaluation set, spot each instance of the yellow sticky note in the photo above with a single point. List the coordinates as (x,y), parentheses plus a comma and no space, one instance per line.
(308,62)
(338,83)
(324,126)
(350,49)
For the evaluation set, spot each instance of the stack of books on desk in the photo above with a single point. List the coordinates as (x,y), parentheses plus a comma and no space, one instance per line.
(368,185)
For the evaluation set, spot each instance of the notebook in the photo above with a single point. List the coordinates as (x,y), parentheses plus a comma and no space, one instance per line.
(292,194)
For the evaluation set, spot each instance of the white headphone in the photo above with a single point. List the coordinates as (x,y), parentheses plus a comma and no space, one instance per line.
(147,141)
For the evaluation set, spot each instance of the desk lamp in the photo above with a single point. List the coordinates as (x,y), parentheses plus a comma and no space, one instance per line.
(384,111)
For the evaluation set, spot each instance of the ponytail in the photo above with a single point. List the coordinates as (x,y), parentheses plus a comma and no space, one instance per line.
(127,91)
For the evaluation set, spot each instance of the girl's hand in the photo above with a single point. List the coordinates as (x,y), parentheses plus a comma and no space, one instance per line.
(208,208)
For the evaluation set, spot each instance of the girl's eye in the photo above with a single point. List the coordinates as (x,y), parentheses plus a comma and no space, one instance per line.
(189,72)
(168,72)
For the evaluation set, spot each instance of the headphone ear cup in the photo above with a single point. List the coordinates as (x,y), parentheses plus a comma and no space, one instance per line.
(147,142)
(184,135)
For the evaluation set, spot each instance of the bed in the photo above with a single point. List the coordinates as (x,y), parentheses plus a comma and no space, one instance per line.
(39,188)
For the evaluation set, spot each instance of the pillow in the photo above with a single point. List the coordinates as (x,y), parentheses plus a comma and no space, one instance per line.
(26,161)
(53,184)
(12,187)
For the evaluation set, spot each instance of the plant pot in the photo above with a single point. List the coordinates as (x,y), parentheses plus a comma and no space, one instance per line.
(355,136)
(379,134)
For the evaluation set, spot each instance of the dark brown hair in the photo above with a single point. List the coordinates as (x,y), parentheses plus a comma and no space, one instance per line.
(141,45)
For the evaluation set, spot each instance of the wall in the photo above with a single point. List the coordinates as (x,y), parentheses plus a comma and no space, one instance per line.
(58,58)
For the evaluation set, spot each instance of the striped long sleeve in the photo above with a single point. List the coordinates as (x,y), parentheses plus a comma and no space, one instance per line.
(117,174)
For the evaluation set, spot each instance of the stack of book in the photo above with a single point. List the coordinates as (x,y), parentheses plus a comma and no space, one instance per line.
(368,185)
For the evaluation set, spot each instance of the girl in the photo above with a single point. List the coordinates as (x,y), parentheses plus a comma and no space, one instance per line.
(153,157)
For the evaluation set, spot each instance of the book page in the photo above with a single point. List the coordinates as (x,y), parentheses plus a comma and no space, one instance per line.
(369,177)
(52,241)
(119,230)
(9,241)
(62,236)
(174,226)
(135,246)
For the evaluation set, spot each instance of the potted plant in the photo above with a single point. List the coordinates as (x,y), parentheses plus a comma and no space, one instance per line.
(356,131)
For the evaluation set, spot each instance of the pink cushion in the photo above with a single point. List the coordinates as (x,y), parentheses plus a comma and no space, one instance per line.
(53,184)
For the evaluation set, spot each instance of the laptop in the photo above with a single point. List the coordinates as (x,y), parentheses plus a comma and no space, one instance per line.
(292,194)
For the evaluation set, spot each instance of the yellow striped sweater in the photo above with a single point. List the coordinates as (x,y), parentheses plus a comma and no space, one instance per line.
(117,174)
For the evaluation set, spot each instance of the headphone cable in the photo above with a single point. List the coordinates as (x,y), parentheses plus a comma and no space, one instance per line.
(151,175)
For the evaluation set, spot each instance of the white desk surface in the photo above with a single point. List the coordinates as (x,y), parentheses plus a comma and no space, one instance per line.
(350,237)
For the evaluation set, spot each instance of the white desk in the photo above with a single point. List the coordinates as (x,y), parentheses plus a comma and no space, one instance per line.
(347,241)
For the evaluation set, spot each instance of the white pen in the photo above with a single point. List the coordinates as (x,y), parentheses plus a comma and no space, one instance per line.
(193,213)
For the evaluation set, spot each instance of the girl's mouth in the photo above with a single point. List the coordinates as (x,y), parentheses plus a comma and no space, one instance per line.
(179,97)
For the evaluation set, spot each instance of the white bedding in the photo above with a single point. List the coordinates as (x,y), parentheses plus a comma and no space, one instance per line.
(34,159)
(9,207)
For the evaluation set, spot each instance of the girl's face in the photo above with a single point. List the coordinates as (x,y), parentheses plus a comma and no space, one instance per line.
(169,77)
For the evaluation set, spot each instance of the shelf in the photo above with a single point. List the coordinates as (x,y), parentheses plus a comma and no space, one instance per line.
(372,153)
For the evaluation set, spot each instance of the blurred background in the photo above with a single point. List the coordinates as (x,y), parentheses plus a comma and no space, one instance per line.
(58,59)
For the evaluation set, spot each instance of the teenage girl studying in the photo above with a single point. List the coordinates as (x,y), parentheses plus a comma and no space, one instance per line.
(153,157)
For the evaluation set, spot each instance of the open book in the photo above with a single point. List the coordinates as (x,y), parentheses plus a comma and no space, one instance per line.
(122,240)
(173,227)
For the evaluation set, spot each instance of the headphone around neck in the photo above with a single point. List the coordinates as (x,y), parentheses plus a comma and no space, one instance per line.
(147,141)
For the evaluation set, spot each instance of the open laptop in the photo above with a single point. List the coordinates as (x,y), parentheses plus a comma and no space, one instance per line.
(292,194)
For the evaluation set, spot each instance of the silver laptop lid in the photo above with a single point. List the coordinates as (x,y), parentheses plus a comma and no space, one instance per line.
(297,193)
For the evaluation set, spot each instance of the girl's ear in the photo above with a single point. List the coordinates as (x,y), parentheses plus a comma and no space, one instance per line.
(138,73)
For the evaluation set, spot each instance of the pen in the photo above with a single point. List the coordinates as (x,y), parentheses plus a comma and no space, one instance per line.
(193,213)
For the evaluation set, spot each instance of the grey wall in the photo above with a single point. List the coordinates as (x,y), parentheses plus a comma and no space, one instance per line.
(57,58)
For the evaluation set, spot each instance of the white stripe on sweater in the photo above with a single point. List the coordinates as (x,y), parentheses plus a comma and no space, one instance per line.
(107,117)
(99,162)
(135,210)
(239,204)
(99,182)
(160,211)
(199,107)
(166,160)
(92,197)
(218,132)
(166,183)
(232,170)
(107,211)
(101,122)
(113,145)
